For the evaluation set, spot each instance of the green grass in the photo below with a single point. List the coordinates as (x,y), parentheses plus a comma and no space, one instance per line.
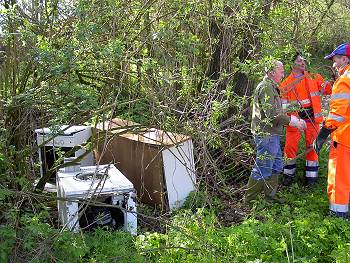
(298,231)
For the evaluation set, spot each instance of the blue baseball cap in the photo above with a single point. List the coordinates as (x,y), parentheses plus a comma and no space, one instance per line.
(343,49)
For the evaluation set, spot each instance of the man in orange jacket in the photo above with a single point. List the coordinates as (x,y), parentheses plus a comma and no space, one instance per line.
(337,124)
(303,90)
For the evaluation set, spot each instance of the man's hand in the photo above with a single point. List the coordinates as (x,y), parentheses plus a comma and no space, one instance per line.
(321,139)
(297,123)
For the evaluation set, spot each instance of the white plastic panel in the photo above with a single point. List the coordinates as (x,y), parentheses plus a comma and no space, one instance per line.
(115,183)
(179,172)
(75,135)
(70,131)
(131,216)
(71,137)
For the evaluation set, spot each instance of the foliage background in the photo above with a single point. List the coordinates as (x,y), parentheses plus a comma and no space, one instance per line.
(183,66)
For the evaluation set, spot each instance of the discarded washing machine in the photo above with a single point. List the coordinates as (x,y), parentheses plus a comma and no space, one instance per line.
(62,139)
(95,196)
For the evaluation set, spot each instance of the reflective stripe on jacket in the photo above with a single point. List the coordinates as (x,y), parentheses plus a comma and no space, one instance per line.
(339,108)
(305,91)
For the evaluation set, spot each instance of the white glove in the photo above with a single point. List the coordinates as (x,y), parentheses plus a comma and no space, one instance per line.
(297,123)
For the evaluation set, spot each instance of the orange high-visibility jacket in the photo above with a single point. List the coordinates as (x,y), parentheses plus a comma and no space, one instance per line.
(339,108)
(305,91)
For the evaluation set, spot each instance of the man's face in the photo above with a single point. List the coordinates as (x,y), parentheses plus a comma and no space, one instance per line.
(299,64)
(278,74)
(339,61)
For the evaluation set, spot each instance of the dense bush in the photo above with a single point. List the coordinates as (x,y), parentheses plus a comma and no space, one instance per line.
(183,66)
(36,241)
(299,231)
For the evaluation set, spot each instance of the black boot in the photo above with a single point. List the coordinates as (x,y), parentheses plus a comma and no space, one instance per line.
(311,181)
(287,180)
(343,215)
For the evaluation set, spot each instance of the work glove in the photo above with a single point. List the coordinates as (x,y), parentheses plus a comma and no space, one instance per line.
(306,113)
(297,123)
(334,75)
(321,138)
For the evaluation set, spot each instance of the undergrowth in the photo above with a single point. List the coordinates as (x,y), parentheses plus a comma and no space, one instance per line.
(300,230)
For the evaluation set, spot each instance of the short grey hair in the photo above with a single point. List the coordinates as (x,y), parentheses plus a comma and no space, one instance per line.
(275,64)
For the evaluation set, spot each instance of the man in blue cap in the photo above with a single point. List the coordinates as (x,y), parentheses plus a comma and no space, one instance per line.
(338,125)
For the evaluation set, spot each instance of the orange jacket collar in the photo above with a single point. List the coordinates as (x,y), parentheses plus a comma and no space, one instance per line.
(342,70)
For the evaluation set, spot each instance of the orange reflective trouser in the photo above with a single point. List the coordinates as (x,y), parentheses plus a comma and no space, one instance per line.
(339,178)
(293,136)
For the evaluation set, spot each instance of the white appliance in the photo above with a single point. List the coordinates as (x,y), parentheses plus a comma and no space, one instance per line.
(160,164)
(81,190)
(63,138)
